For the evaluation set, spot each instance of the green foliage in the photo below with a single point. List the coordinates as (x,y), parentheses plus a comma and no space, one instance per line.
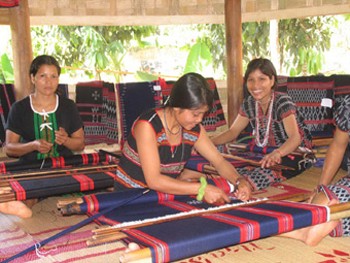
(199,58)
(213,35)
(255,38)
(144,76)
(6,70)
(98,47)
(302,42)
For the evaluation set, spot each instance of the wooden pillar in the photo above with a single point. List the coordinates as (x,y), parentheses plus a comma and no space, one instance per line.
(233,24)
(21,48)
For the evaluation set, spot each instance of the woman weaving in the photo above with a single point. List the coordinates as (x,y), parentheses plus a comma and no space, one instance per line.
(161,141)
(275,122)
(43,124)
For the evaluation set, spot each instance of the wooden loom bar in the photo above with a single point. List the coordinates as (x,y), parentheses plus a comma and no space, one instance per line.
(280,167)
(56,171)
(55,175)
(136,255)
(243,146)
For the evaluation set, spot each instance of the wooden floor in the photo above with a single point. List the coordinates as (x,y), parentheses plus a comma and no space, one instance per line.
(17,234)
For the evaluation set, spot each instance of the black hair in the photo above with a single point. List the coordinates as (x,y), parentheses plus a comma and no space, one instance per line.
(264,65)
(191,91)
(43,60)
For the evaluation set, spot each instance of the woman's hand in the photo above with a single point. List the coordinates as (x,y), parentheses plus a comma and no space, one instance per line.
(271,159)
(61,136)
(42,146)
(214,195)
(244,190)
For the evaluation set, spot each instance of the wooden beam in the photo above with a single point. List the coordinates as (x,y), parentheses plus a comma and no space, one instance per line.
(21,48)
(233,24)
(4,16)
(126,20)
(301,12)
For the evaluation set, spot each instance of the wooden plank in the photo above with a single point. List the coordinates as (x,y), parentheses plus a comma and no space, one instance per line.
(122,20)
(22,48)
(233,23)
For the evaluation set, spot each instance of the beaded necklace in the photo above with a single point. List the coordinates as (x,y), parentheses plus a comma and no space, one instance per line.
(257,124)
(173,152)
(167,128)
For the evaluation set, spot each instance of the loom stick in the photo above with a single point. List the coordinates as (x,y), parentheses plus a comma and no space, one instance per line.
(56,171)
(280,167)
(134,255)
(322,141)
(242,146)
(94,241)
(77,200)
(340,210)
(59,174)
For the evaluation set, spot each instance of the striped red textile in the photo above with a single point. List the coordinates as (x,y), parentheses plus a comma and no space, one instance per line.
(56,162)
(193,235)
(45,187)
(26,183)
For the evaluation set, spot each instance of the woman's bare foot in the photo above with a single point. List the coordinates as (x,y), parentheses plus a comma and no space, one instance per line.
(313,235)
(17,208)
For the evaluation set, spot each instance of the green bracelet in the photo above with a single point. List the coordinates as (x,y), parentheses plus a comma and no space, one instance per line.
(201,190)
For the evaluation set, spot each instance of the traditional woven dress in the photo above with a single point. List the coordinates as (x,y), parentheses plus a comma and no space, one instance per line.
(269,131)
(341,189)
(172,157)
(32,125)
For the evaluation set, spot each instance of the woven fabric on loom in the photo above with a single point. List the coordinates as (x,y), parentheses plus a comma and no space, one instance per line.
(7,98)
(189,236)
(56,162)
(45,187)
(308,93)
(27,187)
(135,98)
(110,113)
(215,118)
(96,104)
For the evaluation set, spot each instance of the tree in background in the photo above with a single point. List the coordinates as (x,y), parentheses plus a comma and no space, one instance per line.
(90,47)
(100,51)
(302,43)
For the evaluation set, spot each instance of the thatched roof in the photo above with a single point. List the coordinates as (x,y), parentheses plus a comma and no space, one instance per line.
(156,12)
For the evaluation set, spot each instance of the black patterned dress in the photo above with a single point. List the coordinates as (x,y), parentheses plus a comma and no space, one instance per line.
(341,189)
(172,157)
(282,107)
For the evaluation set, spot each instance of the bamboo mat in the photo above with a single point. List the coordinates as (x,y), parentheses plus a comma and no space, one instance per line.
(16,235)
